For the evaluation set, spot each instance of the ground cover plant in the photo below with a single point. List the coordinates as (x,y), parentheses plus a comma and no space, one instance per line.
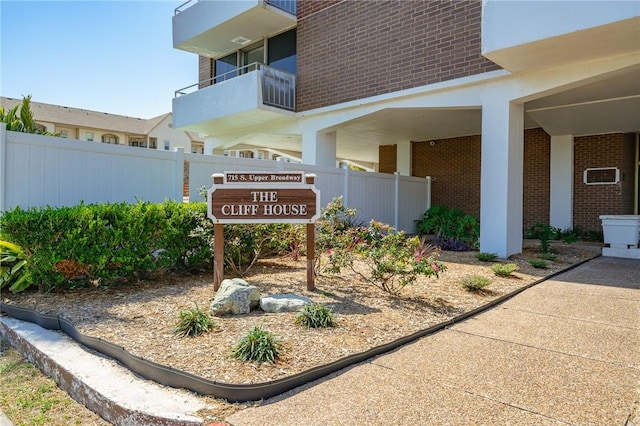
(316,315)
(486,257)
(258,345)
(475,282)
(504,269)
(193,322)
(538,263)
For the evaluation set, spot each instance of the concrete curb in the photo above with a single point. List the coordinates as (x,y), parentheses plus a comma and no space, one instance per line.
(101,384)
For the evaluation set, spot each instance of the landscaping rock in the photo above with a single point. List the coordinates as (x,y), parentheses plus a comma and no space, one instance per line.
(283,303)
(235,296)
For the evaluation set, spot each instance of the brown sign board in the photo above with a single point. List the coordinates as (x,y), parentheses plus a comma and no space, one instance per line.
(276,198)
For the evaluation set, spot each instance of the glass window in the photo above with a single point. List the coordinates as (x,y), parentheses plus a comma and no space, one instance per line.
(90,137)
(255,54)
(282,51)
(108,138)
(226,67)
(64,134)
(167,144)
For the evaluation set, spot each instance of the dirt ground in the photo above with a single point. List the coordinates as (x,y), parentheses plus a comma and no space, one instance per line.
(141,318)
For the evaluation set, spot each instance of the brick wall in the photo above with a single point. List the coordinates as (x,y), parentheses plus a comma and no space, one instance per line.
(536,176)
(387,158)
(205,71)
(591,201)
(454,165)
(309,7)
(356,49)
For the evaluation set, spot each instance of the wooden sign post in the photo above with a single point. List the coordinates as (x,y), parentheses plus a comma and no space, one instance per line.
(262,197)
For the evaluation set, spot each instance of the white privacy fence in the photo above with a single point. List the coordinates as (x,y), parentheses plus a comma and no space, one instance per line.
(37,171)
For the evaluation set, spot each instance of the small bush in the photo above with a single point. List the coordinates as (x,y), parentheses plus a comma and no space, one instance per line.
(315,315)
(257,345)
(484,256)
(475,282)
(452,229)
(504,269)
(538,263)
(548,256)
(193,322)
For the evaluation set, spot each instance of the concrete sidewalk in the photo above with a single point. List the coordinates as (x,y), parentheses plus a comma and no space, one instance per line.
(566,351)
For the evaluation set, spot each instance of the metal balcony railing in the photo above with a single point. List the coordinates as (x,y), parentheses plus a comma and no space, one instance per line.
(278,87)
(286,5)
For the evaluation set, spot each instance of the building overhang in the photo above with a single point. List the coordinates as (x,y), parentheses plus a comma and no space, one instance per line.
(215,28)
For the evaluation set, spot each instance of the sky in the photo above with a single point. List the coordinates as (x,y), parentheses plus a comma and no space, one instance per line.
(108,56)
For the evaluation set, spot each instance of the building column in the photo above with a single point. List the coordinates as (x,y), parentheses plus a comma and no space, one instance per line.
(319,148)
(214,146)
(501,177)
(561,182)
(403,158)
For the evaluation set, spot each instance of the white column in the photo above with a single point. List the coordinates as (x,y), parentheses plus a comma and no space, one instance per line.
(403,158)
(319,148)
(561,182)
(501,177)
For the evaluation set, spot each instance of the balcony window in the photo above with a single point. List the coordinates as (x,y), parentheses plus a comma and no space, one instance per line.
(282,51)
(108,138)
(251,56)
(226,67)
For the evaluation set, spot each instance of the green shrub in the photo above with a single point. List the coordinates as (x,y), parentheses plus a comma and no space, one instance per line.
(484,256)
(315,315)
(538,263)
(193,322)
(257,345)
(548,256)
(475,282)
(13,267)
(334,242)
(452,229)
(104,244)
(504,269)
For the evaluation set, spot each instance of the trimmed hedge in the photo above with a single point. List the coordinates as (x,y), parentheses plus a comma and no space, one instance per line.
(102,244)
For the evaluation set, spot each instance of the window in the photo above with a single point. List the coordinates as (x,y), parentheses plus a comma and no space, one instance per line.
(167,145)
(90,137)
(153,143)
(109,138)
(251,56)
(282,51)
(225,68)
(64,134)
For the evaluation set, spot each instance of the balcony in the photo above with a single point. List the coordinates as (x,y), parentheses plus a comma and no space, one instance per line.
(528,35)
(214,28)
(251,95)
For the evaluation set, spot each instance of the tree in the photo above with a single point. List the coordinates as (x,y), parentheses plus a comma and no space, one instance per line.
(20,119)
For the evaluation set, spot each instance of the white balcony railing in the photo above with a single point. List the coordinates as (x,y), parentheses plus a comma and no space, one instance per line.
(278,87)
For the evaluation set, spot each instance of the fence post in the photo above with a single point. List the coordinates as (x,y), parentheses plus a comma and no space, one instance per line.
(179,188)
(3,165)
(396,200)
(345,197)
(428,178)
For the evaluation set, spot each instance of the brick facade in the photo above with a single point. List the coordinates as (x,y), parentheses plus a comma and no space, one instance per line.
(387,158)
(454,166)
(536,177)
(309,7)
(357,49)
(591,201)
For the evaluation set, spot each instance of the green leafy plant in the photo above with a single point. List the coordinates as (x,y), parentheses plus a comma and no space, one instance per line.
(451,228)
(334,238)
(504,269)
(193,322)
(548,256)
(484,256)
(475,282)
(538,263)
(13,267)
(391,259)
(315,315)
(543,232)
(20,118)
(258,345)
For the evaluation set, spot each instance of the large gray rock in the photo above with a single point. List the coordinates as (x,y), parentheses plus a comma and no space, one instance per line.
(283,303)
(235,296)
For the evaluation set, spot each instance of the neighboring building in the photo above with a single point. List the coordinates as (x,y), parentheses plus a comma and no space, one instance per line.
(94,126)
(521,111)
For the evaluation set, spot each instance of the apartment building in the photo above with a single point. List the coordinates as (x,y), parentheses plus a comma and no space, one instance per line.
(94,126)
(520,111)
